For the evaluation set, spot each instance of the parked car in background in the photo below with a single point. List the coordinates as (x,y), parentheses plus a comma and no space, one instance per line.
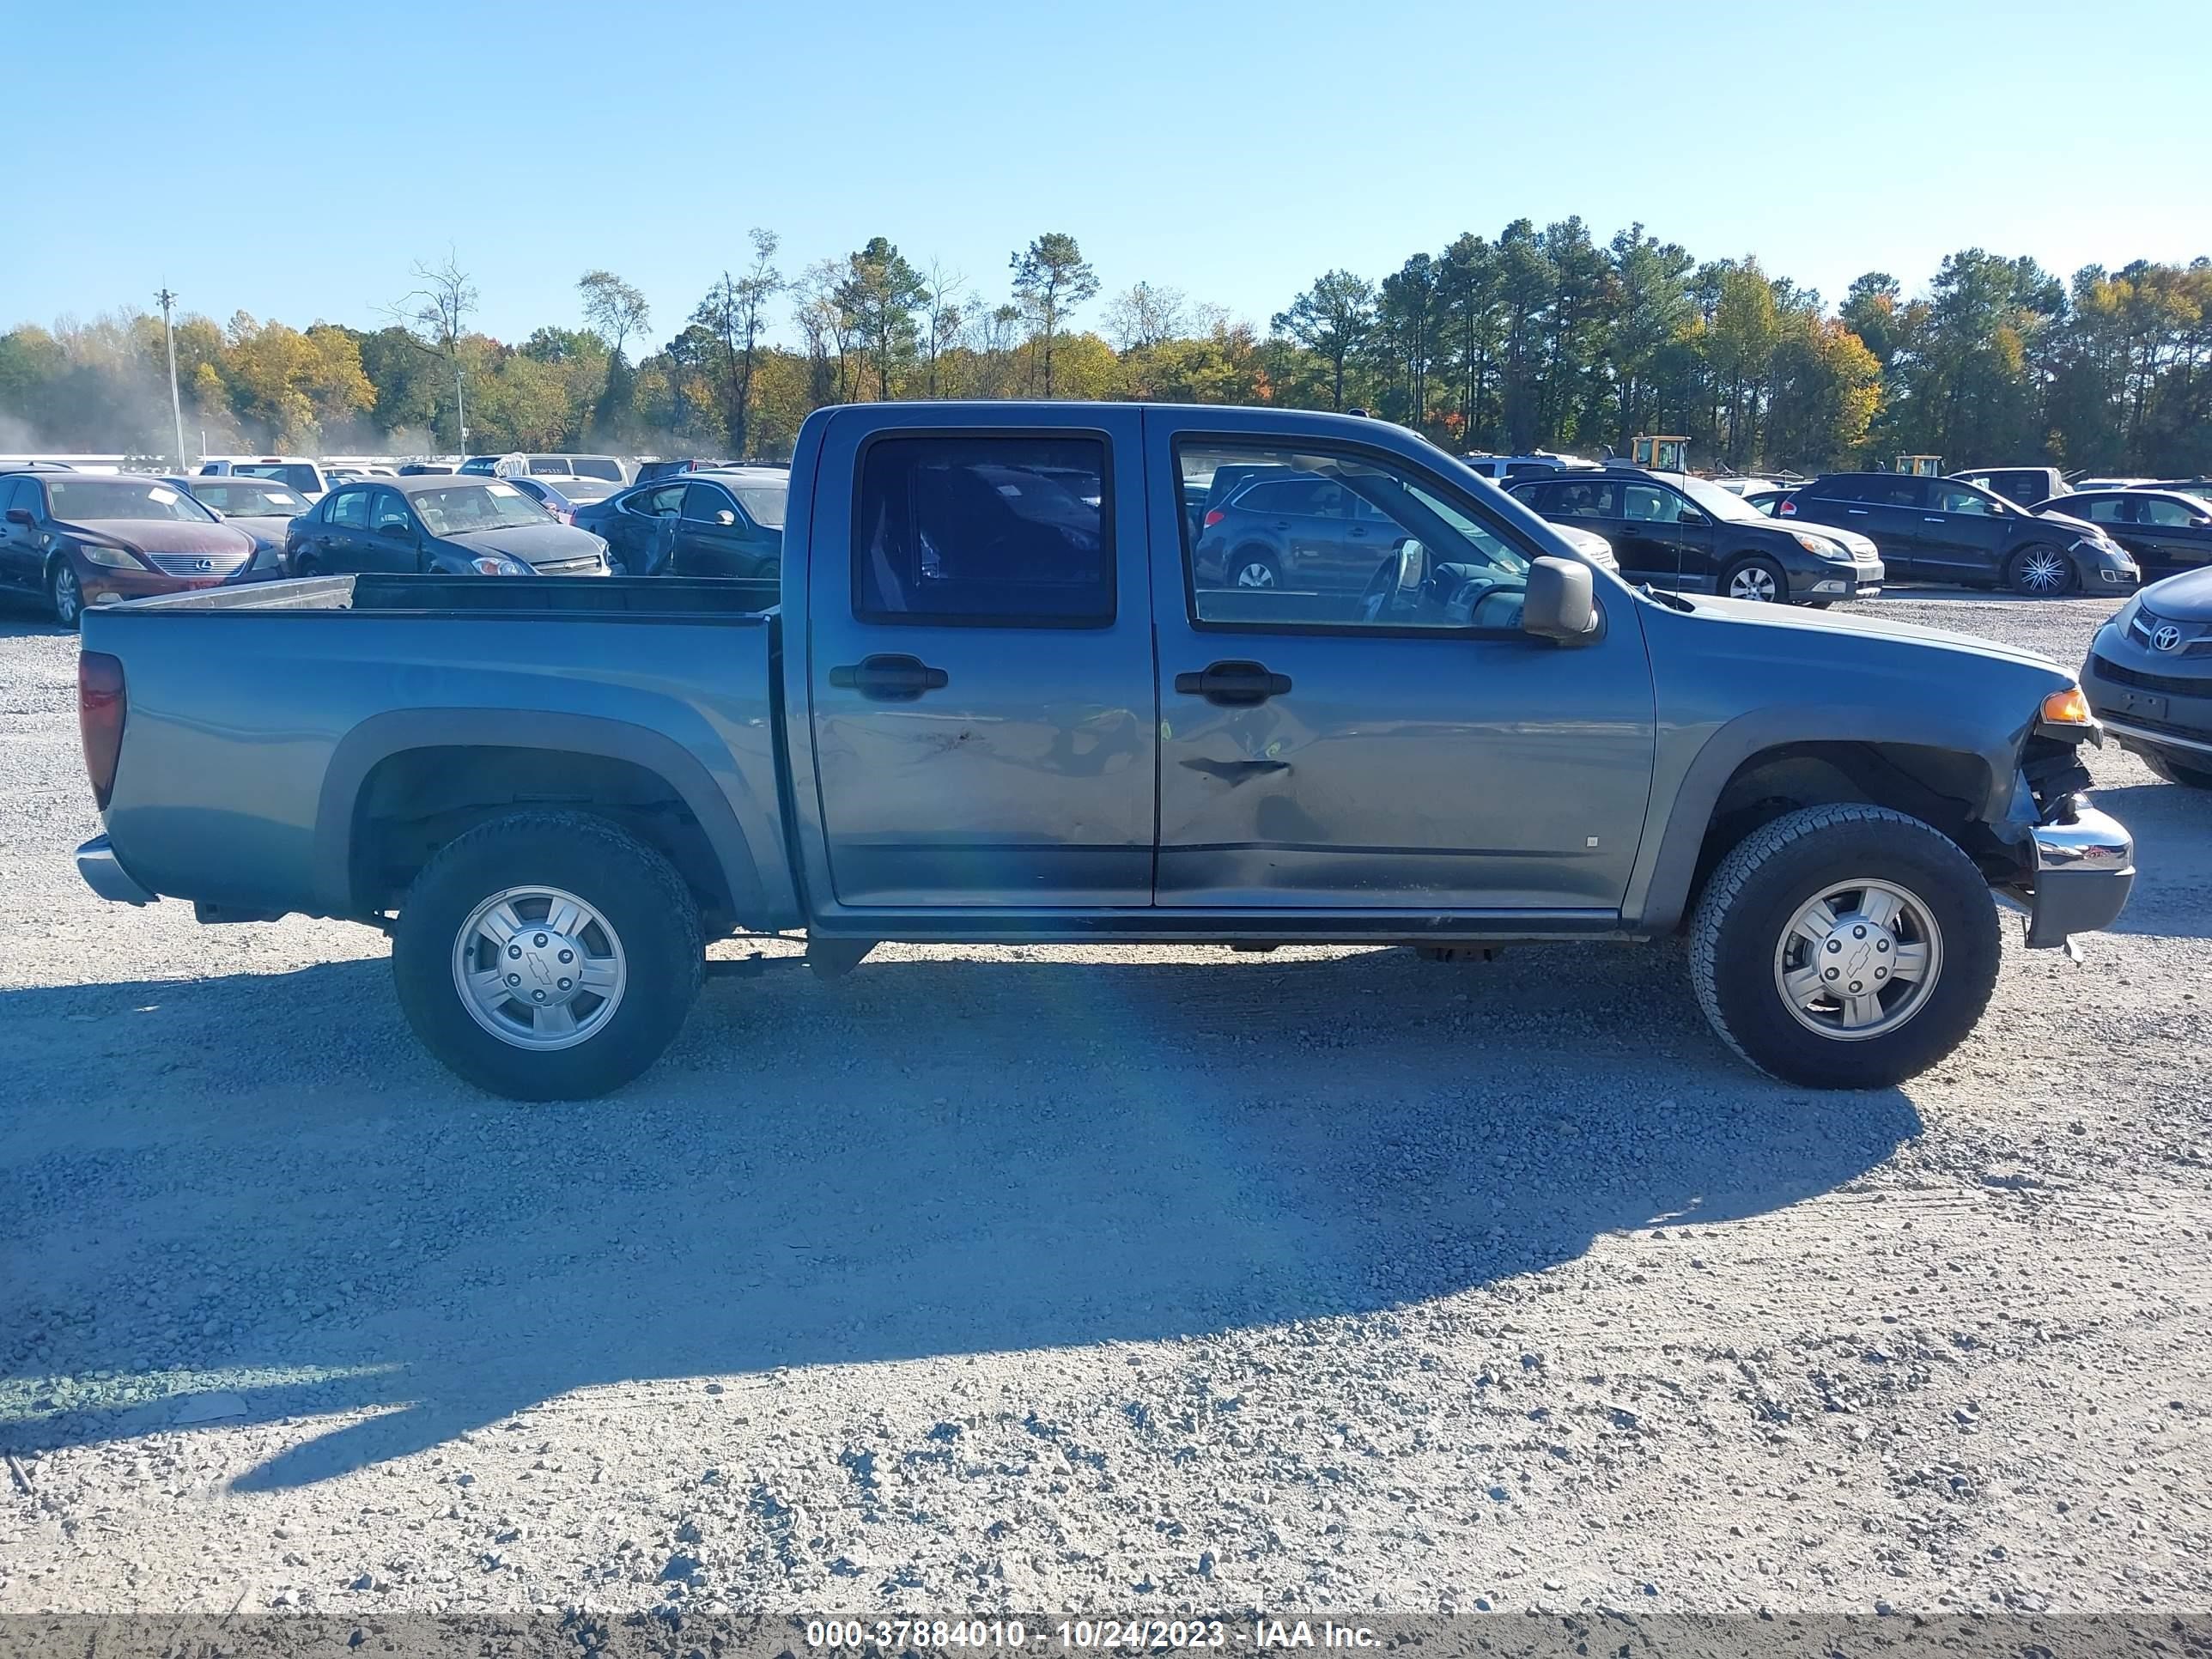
(723,523)
(1690,535)
(1764,502)
(2021,486)
(1745,486)
(649,471)
(2149,677)
(2164,529)
(426,469)
(303,474)
(604,467)
(2111,483)
(450,525)
(263,508)
(1943,530)
(1501,468)
(959,715)
(81,539)
(562,496)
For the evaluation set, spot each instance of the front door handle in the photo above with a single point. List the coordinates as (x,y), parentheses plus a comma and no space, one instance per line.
(1932,518)
(888,678)
(1856,512)
(1233,685)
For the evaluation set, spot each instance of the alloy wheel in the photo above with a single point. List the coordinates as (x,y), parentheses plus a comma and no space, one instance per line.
(1754,582)
(539,968)
(1859,959)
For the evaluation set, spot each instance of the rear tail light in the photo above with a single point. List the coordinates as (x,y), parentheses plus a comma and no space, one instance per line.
(101,704)
(1214,518)
(1788,509)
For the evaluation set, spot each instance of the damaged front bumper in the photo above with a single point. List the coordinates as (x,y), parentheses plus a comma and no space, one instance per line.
(2085,867)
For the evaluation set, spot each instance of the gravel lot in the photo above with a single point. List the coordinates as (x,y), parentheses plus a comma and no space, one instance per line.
(1327,1279)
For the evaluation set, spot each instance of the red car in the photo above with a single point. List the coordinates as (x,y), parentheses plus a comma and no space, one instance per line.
(85,538)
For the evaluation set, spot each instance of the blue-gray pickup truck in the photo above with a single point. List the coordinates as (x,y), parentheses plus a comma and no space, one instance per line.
(995,697)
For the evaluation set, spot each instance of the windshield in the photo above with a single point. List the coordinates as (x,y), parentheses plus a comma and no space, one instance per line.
(1720,503)
(86,498)
(460,509)
(763,503)
(298,474)
(250,499)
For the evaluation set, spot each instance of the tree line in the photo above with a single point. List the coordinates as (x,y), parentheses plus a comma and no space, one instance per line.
(1540,338)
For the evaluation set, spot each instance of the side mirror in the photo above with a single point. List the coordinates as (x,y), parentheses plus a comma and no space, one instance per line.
(725,518)
(1691,519)
(396,532)
(1412,566)
(19,515)
(1560,604)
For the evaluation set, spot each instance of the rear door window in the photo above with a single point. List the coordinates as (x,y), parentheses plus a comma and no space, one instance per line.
(979,529)
(2102,509)
(701,501)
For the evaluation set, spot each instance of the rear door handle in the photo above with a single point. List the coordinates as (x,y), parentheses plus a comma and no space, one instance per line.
(888,678)
(1233,685)
(1932,518)
(1856,512)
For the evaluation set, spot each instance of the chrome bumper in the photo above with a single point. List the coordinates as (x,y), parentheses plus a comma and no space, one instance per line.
(2084,870)
(95,862)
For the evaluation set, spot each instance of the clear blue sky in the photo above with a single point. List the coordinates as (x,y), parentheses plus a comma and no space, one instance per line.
(292,161)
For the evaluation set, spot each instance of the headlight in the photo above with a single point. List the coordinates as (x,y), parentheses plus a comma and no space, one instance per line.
(114,558)
(2127,613)
(1820,547)
(497,564)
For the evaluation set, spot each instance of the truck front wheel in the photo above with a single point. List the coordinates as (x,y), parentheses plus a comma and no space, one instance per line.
(1844,947)
(547,955)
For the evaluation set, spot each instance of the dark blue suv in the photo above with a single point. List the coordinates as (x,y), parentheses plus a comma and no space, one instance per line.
(1292,530)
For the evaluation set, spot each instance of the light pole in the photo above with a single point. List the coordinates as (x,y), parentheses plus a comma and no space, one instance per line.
(176,408)
(460,414)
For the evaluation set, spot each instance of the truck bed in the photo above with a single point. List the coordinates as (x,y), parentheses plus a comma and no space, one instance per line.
(258,714)
(430,595)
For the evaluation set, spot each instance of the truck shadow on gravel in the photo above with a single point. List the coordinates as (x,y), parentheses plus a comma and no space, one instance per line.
(254,1189)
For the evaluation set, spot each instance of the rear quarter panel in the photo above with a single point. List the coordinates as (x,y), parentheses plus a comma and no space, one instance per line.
(234,722)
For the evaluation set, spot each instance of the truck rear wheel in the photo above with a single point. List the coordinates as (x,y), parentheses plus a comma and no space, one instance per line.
(547,956)
(1844,947)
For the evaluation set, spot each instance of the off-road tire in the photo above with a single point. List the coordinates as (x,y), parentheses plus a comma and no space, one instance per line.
(637,891)
(1757,889)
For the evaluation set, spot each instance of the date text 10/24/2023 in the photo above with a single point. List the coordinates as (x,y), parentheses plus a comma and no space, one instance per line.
(1087,1635)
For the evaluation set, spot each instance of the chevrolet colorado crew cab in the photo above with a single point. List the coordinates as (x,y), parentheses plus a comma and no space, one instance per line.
(989,697)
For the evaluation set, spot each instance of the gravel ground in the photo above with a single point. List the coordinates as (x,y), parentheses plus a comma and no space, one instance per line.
(1327,1279)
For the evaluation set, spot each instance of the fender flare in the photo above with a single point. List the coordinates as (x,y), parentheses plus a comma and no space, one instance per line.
(1659,888)
(381,736)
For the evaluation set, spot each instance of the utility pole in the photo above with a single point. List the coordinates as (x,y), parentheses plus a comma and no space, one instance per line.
(460,414)
(176,408)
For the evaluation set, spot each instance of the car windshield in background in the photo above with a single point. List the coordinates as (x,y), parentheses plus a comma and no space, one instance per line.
(1722,503)
(763,503)
(241,499)
(299,477)
(461,508)
(86,498)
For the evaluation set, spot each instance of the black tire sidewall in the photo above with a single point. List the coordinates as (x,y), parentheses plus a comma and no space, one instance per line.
(2189,776)
(642,897)
(2014,566)
(1249,556)
(1781,577)
(62,569)
(1917,858)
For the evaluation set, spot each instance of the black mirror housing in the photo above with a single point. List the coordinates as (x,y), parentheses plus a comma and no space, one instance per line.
(1561,603)
(19,515)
